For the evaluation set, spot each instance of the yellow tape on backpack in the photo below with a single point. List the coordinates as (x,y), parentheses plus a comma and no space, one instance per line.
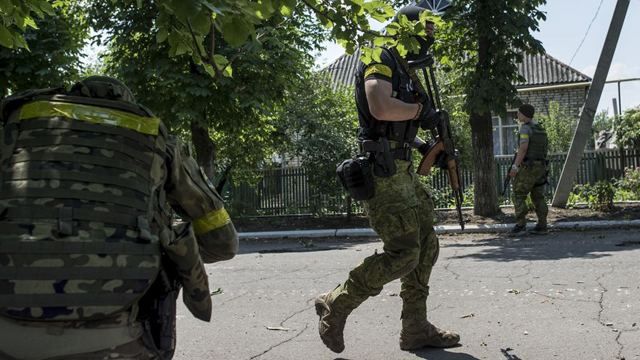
(91,114)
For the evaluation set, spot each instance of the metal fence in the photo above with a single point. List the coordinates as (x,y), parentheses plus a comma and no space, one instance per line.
(287,191)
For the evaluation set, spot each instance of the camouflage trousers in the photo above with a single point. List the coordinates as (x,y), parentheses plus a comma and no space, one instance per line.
(52,342)
(401,212)
(530,180)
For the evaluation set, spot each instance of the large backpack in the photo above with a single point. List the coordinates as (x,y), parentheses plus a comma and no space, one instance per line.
(81,203)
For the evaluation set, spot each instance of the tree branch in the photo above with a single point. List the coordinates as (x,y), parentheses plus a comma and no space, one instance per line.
(365,31)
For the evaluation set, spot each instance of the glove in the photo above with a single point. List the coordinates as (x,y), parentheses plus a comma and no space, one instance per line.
(429,118)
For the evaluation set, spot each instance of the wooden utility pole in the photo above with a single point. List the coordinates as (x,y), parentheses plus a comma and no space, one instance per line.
(583,129)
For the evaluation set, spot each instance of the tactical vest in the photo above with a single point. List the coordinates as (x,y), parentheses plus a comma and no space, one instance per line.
(399,131)
(81,206)
(538,143)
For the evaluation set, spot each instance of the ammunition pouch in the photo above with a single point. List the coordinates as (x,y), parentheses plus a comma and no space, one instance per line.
(356,176)
(157,313)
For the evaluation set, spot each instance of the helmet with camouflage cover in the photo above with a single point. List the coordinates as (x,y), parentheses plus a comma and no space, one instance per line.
(104,87)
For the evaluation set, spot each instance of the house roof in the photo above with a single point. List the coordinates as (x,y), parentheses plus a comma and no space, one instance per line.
(538,70)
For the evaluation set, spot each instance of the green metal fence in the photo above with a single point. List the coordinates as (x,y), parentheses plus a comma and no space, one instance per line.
(286,191)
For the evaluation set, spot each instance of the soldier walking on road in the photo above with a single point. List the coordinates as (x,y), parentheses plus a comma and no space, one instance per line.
(90,261)
(401,209)
(529,172)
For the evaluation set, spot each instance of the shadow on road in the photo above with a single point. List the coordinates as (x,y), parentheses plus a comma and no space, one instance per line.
(296,245)
(554,246)
(442,354)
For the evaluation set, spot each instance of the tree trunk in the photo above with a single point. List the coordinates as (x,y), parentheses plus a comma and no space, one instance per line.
(485,201)
(205,148)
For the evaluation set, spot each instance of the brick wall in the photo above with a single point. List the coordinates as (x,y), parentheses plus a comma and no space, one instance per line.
(571,99)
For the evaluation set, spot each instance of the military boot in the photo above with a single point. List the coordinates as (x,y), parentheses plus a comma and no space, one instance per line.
(331,324)
(419,333)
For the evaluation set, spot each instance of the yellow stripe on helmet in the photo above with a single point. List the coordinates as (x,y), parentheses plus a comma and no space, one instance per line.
(211,221)
(91,114)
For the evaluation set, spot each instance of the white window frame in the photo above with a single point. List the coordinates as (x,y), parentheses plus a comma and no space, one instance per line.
(502,127)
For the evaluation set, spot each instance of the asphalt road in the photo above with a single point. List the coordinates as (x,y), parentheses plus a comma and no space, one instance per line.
(567,295)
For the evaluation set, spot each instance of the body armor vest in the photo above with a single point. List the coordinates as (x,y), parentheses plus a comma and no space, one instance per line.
(372,128)
(81,206)
(538,143)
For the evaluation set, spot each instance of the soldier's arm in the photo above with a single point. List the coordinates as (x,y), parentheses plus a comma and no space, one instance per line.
(524,145)
(379,91)
(383,106)
(195,199)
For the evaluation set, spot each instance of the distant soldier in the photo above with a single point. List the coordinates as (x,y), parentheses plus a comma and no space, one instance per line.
(529,172)
(90,261)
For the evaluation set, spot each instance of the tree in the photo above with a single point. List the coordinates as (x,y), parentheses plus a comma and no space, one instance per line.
(17,17)
(481,43)
(51,55)
(190,27)
(234,115)
(560,126)
(319,127)
(602,121)
(628,129)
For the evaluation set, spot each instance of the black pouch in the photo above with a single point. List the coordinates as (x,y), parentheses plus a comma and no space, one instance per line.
(356,176)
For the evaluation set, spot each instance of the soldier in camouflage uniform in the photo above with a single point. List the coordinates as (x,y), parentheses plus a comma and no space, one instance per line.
(91,262)
(529,172)
(401,211)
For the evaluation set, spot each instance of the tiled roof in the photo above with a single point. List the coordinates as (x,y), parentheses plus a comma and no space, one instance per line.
(545,70)
(538,70)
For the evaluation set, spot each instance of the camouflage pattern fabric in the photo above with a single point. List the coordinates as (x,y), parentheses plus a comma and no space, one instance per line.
(59,171)
(182,251)
(115,338)
(524,184)
(402,214)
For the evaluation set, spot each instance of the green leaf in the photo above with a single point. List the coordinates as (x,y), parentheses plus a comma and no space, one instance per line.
(29,22)
(19,42)
(6,39)
(228,71)
(220,61)
(161,35)
(236,30)
(201,23)
(45,7)
(209,70)
(287,7)
(376,54)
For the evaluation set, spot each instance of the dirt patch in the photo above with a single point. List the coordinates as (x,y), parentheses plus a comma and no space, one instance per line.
(443,217)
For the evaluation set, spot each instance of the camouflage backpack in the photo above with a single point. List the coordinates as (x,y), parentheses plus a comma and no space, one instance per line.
(81,201)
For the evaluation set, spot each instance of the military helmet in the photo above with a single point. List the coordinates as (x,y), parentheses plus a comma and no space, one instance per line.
(103,87)
(412,12)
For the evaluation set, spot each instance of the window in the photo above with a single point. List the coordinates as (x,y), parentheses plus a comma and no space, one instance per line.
(505,134)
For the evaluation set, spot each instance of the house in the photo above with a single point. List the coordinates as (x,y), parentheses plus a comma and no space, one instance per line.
(546,79)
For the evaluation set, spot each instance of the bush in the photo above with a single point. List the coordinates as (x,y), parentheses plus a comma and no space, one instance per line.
(630,182)
(598,197)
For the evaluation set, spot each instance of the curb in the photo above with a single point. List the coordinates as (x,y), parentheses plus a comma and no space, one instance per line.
(440,229)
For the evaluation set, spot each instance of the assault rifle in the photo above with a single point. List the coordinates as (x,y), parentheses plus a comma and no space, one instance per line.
(443,149)
(507,179)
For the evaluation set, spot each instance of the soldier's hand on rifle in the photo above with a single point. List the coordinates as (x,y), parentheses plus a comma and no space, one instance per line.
(429,118)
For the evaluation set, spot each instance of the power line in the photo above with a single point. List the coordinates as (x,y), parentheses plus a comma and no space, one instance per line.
(586,32)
